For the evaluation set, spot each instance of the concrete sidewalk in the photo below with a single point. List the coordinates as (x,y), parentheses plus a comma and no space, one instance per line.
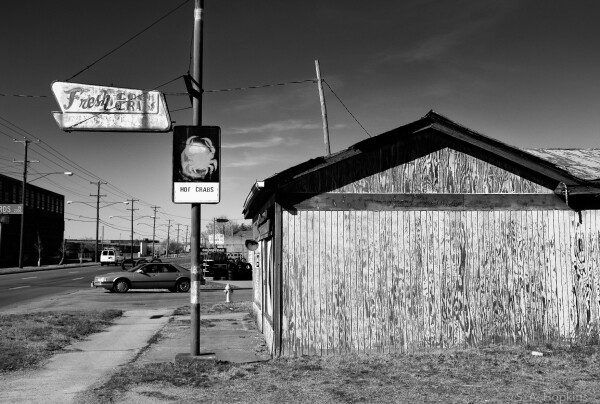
(85,363)
(139,337)
(226,337)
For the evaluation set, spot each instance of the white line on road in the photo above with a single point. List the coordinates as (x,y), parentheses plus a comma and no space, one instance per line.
(76,279)
(30,277)
(19,287)
(74,272)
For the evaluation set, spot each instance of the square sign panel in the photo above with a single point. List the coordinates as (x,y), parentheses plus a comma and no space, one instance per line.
(196,164)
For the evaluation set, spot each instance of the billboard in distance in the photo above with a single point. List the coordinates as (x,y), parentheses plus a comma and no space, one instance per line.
(196,164)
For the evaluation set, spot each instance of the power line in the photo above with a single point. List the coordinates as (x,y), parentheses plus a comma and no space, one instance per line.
(23,95)
(344,105)
(127,41)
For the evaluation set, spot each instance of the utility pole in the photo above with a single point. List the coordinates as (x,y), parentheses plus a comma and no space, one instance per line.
(132,209)
(25,162)
(196,207)
(186,236)
(177,244)
(155,208)
(323,110)
(168,237)
(98,195)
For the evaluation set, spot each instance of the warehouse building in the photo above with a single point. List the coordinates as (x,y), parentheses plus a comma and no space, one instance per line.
(428,236)
(44,224)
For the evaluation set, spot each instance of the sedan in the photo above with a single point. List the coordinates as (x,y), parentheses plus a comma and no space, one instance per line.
(146,276)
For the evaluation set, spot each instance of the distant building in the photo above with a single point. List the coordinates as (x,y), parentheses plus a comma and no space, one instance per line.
(44,224)
(84,248)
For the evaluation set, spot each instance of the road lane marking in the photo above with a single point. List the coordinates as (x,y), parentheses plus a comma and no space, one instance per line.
(75,272)
(19,287)
(30,277)
(76,279)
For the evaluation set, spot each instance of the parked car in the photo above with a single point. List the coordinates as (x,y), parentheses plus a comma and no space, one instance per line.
(151,275)
(110,256)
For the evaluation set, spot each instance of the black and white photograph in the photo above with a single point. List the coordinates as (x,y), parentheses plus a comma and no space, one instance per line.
(221,201)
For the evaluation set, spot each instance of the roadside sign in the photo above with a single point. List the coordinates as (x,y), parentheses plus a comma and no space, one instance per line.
(196,164)
(99,108)
(11,209)
(216,239)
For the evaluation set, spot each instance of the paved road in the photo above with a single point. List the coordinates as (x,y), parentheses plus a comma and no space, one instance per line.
(69,289)
(27,286)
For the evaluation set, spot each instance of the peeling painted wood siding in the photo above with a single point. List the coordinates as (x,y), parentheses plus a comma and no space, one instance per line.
(402,281)
(400,170)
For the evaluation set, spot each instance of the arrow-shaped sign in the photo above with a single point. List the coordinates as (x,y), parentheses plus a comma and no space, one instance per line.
(98,108)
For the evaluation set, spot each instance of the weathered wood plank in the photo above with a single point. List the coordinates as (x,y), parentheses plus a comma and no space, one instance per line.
(419,171)
(287,318)
(436,240)
(406,280)
(296,279)
(409,280)
(306,282)
(420,201)
(324,290)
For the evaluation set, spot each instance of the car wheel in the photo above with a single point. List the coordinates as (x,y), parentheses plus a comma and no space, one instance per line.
(183,285)
(102,264)
(121,286)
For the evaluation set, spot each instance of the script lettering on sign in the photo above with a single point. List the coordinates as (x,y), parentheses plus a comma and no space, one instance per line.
(100,108)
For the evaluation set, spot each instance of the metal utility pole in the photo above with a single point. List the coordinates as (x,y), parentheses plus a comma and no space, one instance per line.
(196,207)
(132,209)
(98,195)
(25,162)
(323,110)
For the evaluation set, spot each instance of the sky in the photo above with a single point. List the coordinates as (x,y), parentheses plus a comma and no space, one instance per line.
(522,72)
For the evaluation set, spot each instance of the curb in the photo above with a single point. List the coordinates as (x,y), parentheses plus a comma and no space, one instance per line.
(8,271)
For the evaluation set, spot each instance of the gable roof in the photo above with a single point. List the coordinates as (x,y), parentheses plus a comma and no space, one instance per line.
(581,163)
(578,170)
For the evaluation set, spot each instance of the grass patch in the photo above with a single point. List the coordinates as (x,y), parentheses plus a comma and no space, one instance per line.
(28,339)
(216,308)
(493,375)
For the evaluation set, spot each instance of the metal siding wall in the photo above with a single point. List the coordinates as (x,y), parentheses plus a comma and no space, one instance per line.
(412,280)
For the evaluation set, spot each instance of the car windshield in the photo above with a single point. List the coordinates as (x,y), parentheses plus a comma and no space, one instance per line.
(135,268)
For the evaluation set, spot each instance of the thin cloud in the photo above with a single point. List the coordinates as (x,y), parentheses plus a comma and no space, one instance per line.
(261,144)
(437,47)
(272,127)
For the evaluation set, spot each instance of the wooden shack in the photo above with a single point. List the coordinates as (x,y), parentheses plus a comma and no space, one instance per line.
(428,236)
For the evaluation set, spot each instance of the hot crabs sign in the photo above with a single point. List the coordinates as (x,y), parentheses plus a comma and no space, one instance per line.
(87,107)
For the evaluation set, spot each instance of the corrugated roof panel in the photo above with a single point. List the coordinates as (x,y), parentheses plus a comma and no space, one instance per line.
(582,163)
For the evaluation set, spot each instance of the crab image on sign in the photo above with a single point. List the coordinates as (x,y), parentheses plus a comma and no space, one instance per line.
(196,155)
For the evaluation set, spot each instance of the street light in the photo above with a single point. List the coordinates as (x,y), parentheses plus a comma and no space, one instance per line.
(68,173)
(98,219)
